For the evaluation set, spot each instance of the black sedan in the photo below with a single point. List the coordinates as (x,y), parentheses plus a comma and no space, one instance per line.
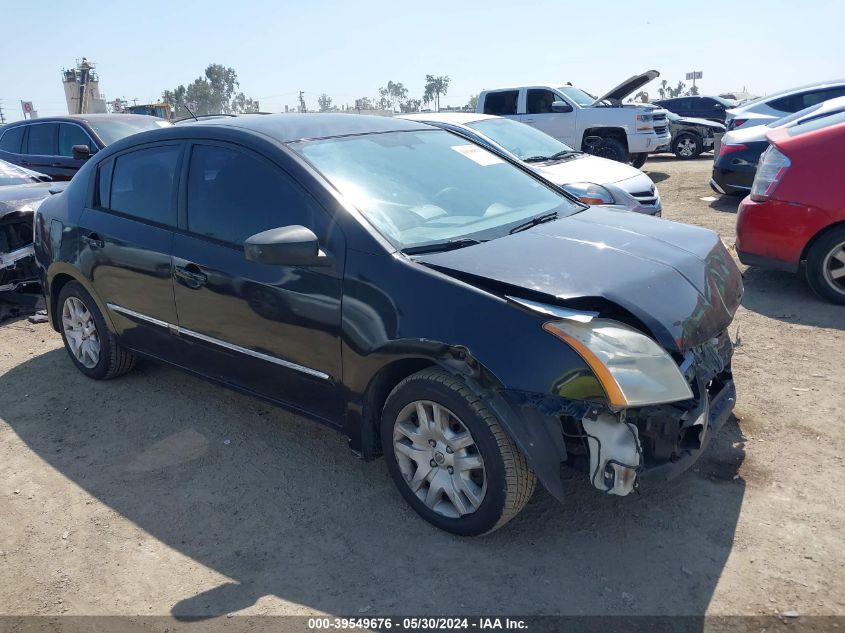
(436,303)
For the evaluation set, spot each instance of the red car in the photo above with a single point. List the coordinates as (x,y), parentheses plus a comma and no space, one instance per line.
(796,211)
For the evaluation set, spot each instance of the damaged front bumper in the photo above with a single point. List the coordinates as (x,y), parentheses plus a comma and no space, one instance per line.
(619,449)
(17,269)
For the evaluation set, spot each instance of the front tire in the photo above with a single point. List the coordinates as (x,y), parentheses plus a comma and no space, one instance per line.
(826,266)
(90,344)
(638,160)
(687,146)
(612,149)
(449,456)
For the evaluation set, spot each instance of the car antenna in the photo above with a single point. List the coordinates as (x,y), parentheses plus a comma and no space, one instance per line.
(191,113)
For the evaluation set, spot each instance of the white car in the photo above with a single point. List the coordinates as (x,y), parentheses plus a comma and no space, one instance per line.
(764,110)
(604,126)
(591,179)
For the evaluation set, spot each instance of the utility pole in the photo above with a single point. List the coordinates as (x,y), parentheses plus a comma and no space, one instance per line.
(301,101)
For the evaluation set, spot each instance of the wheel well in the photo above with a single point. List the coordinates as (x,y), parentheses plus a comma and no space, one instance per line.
(56,286)
(818,236)
(606,132)
(376,395)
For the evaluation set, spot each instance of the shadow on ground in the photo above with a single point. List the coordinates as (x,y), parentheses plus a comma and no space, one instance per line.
(727,204)
(284,509)
(787,297)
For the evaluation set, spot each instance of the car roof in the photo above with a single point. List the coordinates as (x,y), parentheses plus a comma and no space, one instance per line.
(461,118)
(287,128)
(790,91)
(84,117)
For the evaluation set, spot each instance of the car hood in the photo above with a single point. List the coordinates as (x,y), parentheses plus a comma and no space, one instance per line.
(628,86)
(23,197)
(587,168)
(705,122)
(679,281)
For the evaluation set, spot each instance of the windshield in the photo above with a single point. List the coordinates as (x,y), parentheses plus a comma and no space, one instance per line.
(115,129)
(577,95)
(423,187)
(519,139)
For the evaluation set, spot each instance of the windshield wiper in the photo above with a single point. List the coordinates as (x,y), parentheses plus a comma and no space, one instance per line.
(556,156)
(436,247)
(540,219)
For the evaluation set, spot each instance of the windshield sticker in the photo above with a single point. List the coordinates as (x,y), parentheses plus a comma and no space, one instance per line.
(477,154)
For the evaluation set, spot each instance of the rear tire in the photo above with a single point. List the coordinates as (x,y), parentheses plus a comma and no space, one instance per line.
(449,456)
(825,269)
(88,341)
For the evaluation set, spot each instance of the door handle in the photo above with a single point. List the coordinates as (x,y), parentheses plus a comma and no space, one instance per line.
(93,241)
(191,275)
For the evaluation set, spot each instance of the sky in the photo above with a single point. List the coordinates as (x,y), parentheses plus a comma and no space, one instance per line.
(349,49)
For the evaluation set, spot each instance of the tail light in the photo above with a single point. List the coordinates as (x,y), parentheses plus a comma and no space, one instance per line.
(735,123)
(729,148)
(773,165)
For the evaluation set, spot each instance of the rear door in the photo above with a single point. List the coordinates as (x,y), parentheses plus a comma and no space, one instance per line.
(538,113)
(126,236)
(272,330)
(40,149)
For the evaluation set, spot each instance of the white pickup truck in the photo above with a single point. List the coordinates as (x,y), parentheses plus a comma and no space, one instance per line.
(605,126)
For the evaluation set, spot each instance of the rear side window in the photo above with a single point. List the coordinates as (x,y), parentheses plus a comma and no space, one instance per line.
(70,135)
(233,195)
(795,103)
(11,140)
(42,138)
(501,103)
(104,173)
(540,101)
(143,184)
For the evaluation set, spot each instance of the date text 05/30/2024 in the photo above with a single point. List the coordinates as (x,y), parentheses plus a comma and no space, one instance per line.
(418,624)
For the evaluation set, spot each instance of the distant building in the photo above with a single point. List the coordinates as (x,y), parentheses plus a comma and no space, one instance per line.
(82,89)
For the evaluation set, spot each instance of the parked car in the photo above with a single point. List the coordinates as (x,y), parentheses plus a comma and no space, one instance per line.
(591,179)
(437,302)
(794,217)
(55,146)
(21,191)
(691,137)
(605,126)
(697,107)
(740,150)
(764,110)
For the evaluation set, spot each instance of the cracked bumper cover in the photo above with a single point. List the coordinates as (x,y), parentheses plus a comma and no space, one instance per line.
(538,423)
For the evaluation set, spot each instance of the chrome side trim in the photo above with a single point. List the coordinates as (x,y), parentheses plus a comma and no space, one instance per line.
(137,315)
(175,329)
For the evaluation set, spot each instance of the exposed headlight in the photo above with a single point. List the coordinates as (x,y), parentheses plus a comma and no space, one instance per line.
(645,122)
(632,368)
(589,193)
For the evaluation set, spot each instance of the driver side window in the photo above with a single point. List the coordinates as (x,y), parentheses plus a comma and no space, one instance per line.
(233,195)
(540,101)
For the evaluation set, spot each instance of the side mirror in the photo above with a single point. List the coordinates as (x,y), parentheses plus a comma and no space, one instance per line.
(292,245)
(561,106)
(81,152)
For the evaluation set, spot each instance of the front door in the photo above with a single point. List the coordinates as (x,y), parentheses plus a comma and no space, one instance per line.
(126,235)
(538,113)
(272,330)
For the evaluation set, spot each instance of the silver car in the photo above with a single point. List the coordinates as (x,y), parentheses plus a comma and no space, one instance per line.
(591,179)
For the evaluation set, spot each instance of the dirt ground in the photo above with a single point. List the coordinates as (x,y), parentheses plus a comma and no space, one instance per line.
(161,494)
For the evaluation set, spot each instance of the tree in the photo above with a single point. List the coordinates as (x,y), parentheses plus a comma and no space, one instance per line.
(392,96)
(693,91)
(472,104)
(641,96)
(678,90)
(364,103)
(325,102)
(410,105)
(434,87)
(216,92)
(663,90)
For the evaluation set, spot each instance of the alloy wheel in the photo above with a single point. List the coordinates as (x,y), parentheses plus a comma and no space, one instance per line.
(686,147)
(80,331)
(833,268)
(439,459)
